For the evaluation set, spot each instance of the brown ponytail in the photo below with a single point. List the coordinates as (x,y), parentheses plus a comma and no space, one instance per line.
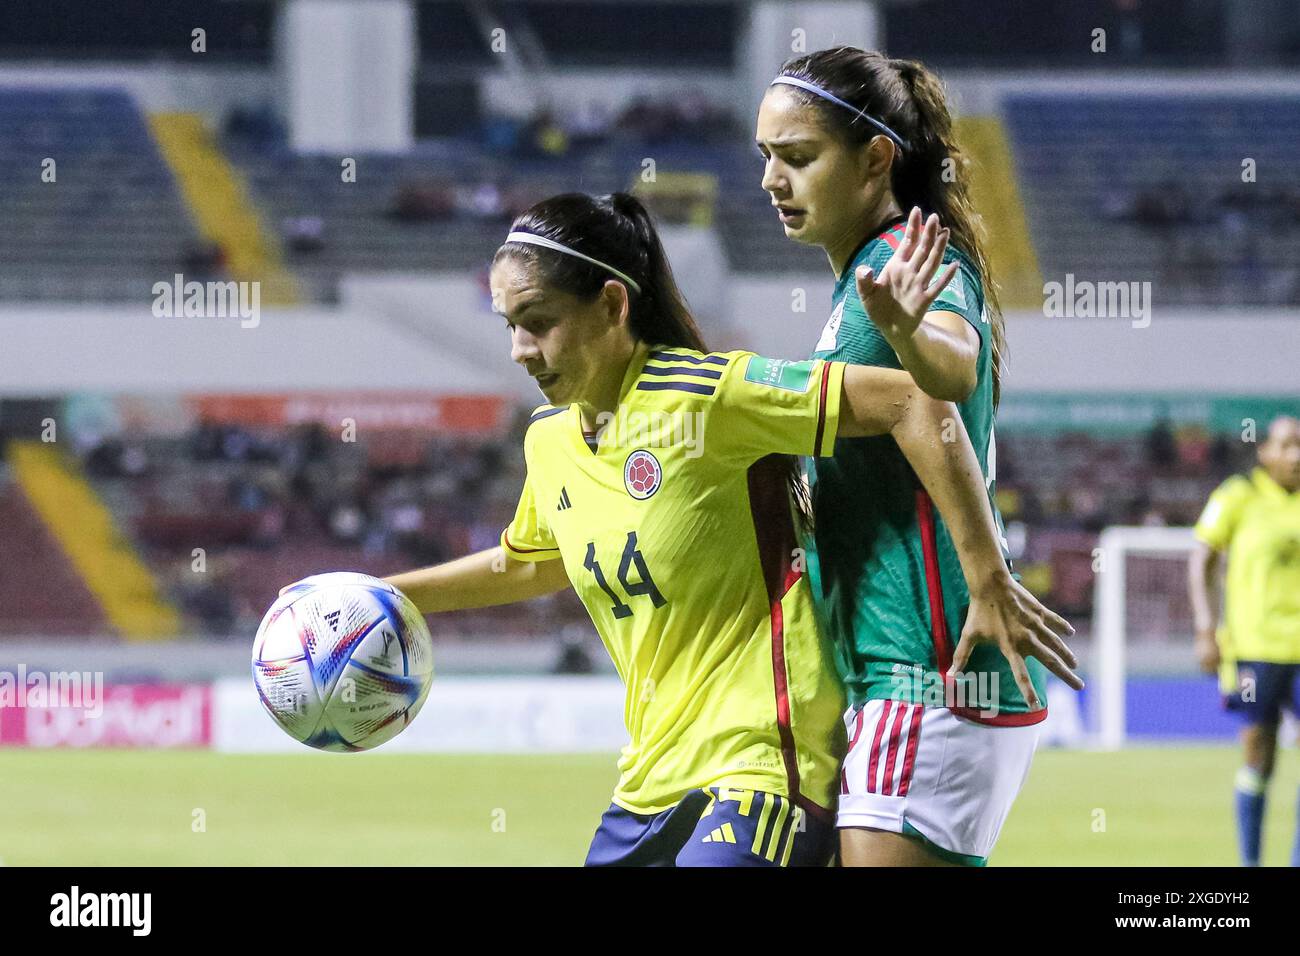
(932,172)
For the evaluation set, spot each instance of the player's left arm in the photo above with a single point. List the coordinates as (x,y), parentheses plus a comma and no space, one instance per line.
(767,406)
(940,348)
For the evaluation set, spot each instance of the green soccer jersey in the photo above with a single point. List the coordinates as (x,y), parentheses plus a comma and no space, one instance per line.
(888,583)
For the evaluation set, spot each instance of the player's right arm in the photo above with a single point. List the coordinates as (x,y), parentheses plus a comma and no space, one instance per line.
(1202,584)
(525,565)
(1213,534)
(483,579)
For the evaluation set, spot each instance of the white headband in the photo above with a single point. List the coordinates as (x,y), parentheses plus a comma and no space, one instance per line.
(530,239)
(827,95)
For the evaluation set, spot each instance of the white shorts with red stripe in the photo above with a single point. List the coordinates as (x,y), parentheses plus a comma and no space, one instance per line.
(924,770)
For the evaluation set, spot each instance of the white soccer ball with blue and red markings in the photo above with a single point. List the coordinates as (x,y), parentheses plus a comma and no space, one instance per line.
(343,661)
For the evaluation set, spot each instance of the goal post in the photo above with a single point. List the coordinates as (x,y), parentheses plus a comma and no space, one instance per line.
(1115,625)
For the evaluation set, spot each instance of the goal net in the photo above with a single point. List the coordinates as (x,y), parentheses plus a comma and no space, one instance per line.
(1142,619)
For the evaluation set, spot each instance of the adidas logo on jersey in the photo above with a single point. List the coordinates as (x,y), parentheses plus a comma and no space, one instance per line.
(722,834)
(564,500)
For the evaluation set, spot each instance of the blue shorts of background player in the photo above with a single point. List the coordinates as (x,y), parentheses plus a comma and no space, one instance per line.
(716,826)
(1263,689)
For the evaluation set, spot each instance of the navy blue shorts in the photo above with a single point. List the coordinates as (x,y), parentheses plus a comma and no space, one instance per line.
(1263,689)
(716,826)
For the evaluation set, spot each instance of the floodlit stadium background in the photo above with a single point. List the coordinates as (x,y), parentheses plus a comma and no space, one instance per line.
(356,163)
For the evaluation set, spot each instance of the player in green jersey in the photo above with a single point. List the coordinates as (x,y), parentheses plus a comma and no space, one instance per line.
(658,489)
(858,152)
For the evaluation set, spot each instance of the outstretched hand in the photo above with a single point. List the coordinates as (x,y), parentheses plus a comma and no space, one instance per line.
(1007,616)
(897,299)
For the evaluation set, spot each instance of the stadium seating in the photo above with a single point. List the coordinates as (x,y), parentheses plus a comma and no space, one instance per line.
(1149,188)
(110,225)
(40,592)
(1130,188)
(360,233)
(268,512)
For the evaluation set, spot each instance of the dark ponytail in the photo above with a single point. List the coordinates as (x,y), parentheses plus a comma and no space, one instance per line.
(616,229)
(932,172)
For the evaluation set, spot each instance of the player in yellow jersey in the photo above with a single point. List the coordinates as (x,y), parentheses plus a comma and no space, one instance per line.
(1255,521)
(659,487)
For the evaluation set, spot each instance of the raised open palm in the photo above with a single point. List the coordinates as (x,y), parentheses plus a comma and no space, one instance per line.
(896,300)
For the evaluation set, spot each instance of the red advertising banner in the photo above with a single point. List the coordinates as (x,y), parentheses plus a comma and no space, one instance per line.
(475,415)
(121,715)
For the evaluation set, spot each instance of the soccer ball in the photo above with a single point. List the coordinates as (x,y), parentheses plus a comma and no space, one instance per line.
(342,661)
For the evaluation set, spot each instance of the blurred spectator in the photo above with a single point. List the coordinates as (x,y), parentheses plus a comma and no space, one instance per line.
(1221,453)
(209,598)
(1244,220)
(590,124)
(574,656)
(1162,451)
(1193,449)
(483,201)
(116,458)
(257,126)
(203,262)
(423,202)
(346,522)
(1130,27)
(543,138)
(304,233)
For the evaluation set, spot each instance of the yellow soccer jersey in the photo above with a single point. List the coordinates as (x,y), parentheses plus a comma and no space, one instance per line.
(678,535)
(1258,524)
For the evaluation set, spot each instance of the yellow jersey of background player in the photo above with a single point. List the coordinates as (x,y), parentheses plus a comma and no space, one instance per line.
(1255,522)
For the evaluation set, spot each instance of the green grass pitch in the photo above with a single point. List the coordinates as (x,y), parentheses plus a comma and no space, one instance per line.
(1157,806)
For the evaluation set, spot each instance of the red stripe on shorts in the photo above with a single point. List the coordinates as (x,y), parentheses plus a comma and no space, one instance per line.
(909,759)
(875,748)
(887,785)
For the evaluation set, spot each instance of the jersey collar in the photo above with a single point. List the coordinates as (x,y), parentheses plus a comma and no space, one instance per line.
(640,355)
(1265,483)
(871,237)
